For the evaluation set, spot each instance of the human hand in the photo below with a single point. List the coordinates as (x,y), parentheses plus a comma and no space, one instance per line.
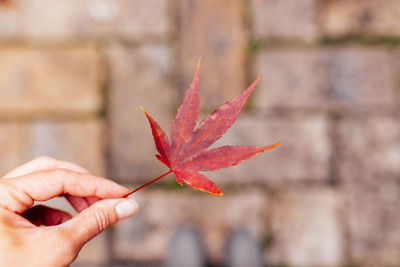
(23,243)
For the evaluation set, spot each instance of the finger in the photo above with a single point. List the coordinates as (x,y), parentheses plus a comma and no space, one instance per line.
(47,163)
(42,215)
(43,164)
(41,186)
(81,203)
(97,218)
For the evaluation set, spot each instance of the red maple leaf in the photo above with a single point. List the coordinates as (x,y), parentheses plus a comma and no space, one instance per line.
(187,153)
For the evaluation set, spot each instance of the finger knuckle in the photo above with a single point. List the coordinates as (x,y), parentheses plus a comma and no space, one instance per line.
(102,220)
(63,175)
(12,198)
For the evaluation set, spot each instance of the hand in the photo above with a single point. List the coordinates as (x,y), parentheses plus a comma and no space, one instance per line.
(23,243)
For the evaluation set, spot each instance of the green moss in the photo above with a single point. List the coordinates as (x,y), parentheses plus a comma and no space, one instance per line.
(166,184)
(363,40)
(253,45)
(102,113)
(267,241)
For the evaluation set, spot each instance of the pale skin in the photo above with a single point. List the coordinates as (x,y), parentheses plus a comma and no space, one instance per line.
(99,202)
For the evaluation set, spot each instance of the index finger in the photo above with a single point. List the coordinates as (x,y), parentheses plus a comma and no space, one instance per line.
(44,185)
(44,163)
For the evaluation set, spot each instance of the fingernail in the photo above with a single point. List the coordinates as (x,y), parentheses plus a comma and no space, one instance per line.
(126,208)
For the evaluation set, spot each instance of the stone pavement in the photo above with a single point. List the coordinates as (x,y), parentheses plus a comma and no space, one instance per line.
(73,74)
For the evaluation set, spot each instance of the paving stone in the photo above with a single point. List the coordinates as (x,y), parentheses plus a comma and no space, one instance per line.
(146,236)
(81,142)
(369,163)
(364,79)
(12,143)
(369,148)
(306,228)
(47,20)
(141,20)
(372,221)
(49,81)
(213,30)
(343,17)
(139,77)
(291,78)
(343,79)
(304,154)
(282,19)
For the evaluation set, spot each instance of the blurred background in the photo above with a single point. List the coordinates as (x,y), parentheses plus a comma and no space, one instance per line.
(73,74)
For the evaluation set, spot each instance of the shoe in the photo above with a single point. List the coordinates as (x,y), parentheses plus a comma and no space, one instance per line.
(186,249)
(241,250)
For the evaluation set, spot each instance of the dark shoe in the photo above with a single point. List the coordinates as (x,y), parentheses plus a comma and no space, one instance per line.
(241,250)
(186,249)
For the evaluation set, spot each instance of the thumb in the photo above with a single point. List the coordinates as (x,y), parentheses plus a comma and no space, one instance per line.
(98,217)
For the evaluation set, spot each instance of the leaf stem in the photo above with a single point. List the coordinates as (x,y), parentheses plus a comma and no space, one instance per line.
(146,184)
